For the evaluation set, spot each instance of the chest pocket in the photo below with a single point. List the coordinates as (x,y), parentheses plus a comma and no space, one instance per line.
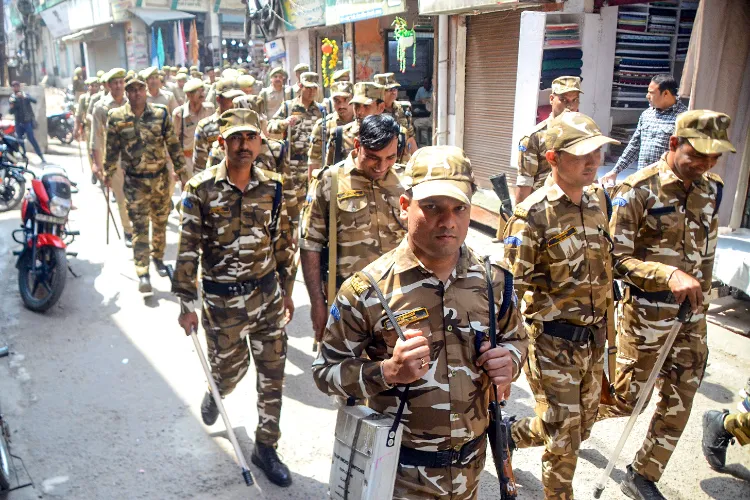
(223,229)
(395,224)
(565,254)
(664,223)
(353,212)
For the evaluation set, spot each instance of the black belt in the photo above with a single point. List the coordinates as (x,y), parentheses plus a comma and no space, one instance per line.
(147,175)
(239,288)
(439,459)
(665,296)
(569,331)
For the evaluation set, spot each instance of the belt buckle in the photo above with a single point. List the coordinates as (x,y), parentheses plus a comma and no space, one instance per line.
(581,333)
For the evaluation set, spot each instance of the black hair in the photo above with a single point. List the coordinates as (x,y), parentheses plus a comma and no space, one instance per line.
(666,82)
(377,131)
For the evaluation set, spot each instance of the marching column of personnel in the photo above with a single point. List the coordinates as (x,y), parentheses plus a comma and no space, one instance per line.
(265,174)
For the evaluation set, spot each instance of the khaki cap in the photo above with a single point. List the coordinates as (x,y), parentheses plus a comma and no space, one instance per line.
(277,70)
(575,133)
(78,70)
(440,171)
(193,68)
(230,73)
(208,69)
(705,130)
(304,68)
(338,75)
(242,71)
(91,80)
(192,85)
(565,84)
(100,73)
(244,81)
(181,76)
(148,72)
(114,73)
(228,89)
(236,120)
(387,80)
(136,80)
(342,89)
(367,92)
(182,70)
(309,79)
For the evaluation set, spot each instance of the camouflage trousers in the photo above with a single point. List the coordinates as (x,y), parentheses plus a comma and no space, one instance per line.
(148,201)
(460,482)
(565,378)
(642,331)
(230,322)
(117,182)
(738,425)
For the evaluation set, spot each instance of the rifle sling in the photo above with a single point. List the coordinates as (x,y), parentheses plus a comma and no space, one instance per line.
(332,234)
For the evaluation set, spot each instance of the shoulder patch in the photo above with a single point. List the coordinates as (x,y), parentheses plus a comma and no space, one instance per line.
(358,284)
(521,147)
(642,175)
(715,177)
(187,203)
(512,241)
(335,312)
(619,201)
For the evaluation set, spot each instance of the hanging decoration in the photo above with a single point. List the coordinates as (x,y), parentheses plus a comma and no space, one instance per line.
(405,38)
(330,51)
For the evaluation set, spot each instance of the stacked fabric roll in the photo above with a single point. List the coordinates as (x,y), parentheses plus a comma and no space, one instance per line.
(562,55)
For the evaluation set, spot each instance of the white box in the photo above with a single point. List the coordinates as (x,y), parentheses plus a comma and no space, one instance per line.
(374,463)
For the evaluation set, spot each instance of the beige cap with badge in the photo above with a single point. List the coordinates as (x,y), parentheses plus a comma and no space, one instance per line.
(575,133)
(238,120)
(564,84)
(367,93)
(705,130)
(192,85)
(440,171)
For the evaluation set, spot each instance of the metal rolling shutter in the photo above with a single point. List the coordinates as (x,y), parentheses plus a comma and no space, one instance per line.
(491,62)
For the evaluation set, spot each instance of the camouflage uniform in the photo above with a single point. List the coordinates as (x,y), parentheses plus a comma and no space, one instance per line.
(185,124)
(206,133)
(367,224)
(315,153)
(659,226)
(349,132)
(298,137)
(98,139)
(557,251)
(738,425)
(141,143)
(398,110)
(235,238)
(447,408)
(82,117)
(533,167)
(336,79)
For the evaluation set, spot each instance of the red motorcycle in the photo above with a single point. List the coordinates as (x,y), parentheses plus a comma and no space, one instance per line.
(42,263)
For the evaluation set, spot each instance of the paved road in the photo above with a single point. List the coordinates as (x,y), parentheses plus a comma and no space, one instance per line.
(103,393)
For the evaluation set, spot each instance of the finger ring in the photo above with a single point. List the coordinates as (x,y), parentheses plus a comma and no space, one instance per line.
(423,363)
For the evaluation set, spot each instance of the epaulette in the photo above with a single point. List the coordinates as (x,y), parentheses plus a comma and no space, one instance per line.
(318,172)
(715,177)
(359,284)
(522,209)
(642,175)
(274,176)
(160,107)
(202,177)
(539,126)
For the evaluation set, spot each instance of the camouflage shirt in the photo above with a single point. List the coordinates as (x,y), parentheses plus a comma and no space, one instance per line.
(138,143)
(533,168)
(660,227)
(557,251)
(399,113)
(349,132)
(299,136)
(367,222)
(315,153)
(164,97)
(99,120)
(186,122)
(231,231)
(206,132)
(448,407)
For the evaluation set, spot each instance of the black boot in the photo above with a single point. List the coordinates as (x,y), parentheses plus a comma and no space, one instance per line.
(161,268)
(209,410)
(128,240)
(508,425)
(638,487)
(715,438)
(144,284)
(265,457)
(94,179)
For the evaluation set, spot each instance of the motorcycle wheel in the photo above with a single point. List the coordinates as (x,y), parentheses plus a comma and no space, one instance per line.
(68,137)
(11,193)
(4,459)
(41,290)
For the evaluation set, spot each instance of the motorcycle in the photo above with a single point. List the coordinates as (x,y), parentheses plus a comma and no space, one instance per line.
(60,126)
(5,461)
(42,262)
(12,180)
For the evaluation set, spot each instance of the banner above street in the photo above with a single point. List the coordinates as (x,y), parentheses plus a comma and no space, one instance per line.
(347,11)
(303,13)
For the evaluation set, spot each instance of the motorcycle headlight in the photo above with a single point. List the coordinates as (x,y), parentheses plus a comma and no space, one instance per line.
(59,207)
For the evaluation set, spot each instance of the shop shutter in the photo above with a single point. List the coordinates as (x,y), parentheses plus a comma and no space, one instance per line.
(491,62)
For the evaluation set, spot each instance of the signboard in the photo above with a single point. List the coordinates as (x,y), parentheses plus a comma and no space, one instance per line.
(435,7)
(347,11)
(275,49)
(303,13)
(56,19)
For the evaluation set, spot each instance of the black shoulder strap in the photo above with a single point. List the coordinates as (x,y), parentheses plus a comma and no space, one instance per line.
(338,144)
(609,204)
(164,124)
(719,194)
(401,145)
(276,210)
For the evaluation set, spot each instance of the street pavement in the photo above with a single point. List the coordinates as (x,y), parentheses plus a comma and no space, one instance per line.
(103,392)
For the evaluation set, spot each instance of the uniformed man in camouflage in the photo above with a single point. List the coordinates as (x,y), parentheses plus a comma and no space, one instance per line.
(367,100)
(116,98)
(139,135)
(295,119)
(83,123)
(665,226)
(340,76)
(533,167)
(368,222)
(156,94)
(186,117)
(272,97)
(343,113)
(401,111)
(292,91)
(721,428)
(557,246)
(437,287)
(235,224)
(207,130)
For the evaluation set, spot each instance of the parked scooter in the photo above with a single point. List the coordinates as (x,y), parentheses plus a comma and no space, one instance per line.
(42,262)
(13,166)
(61,126)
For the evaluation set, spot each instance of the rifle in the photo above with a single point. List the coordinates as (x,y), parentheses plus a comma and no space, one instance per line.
(500,187)
(498,429)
